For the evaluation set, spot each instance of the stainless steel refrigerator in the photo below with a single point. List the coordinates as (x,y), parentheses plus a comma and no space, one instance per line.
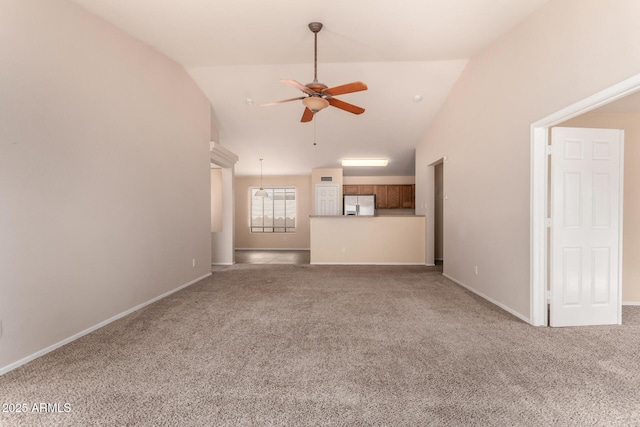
(362,204)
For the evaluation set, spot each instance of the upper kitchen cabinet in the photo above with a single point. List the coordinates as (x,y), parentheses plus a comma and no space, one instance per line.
(387,196)
(357,189)
(408,196)
(365,189)
(350,189)
(394,197)
(381,196)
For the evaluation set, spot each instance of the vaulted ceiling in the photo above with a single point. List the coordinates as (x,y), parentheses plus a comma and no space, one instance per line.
(237,51)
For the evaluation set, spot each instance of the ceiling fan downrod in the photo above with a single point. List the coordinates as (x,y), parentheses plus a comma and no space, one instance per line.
(315,27)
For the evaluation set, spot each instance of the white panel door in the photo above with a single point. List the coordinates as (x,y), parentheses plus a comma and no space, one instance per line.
(586,226)
(327,199)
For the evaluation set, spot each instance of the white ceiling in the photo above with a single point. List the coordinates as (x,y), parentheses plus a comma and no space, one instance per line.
(238,50)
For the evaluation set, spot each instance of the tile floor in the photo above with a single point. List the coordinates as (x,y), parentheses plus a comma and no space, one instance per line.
(284,257)
(272,257)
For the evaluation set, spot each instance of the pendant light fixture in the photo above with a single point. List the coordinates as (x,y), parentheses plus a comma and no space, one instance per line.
(261,192)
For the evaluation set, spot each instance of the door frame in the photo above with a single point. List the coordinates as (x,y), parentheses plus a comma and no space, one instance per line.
(442,217)
(429,211)
(223,243)
(539,188)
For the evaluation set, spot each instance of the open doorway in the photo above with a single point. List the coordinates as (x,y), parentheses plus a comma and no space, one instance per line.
(433,206)
(222,204)
(438,216)
(539,187)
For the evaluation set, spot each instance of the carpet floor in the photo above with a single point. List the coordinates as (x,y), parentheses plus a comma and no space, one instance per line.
(305,345)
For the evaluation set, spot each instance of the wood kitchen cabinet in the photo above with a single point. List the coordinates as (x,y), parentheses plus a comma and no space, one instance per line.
(387,196)
(357,189)
(408,197)
(394,197)
(365,189)
(350,189)
(381,196)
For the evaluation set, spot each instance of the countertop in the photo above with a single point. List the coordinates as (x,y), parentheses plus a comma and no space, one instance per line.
(366,216)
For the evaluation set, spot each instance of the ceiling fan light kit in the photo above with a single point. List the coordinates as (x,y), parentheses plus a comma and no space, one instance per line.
(319,96)
(315,103)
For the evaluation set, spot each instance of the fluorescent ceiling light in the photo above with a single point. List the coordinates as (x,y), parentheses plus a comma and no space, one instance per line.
(365,162)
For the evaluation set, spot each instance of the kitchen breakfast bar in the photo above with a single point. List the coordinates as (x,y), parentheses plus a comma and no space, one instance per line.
(384,239)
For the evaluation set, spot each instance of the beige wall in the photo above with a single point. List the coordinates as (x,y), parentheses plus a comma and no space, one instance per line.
(367,240)
(216,200)
(104,175)
(298,240)
(630,123)
(564,52)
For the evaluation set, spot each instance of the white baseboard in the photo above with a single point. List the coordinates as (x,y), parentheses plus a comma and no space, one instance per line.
(491,300)
(14,365)
(222,263)
(366,263)
(630,303)
(272,249)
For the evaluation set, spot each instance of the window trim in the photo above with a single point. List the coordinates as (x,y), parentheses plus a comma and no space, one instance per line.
(270,189)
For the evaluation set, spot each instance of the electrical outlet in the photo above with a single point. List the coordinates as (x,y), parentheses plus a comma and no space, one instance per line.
(193,262)
(475,269)
(344,250)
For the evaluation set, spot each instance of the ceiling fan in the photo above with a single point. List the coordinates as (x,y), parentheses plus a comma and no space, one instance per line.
(317,95)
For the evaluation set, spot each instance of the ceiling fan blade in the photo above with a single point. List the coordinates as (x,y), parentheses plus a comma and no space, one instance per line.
(281,102)
(347,88)
(345,106)
(297,85)
(307,116)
